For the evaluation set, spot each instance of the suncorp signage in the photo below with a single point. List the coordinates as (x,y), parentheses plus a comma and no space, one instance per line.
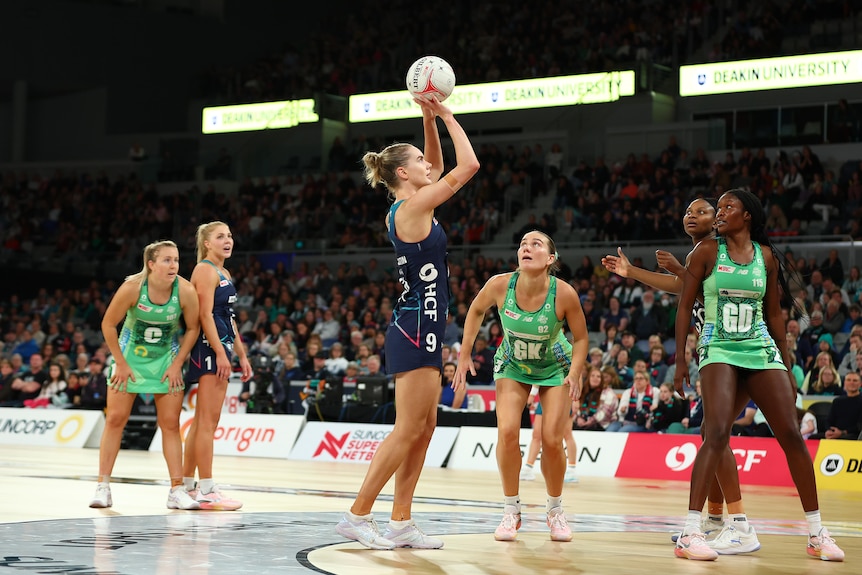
(500,96)
(265,116)
(771,73)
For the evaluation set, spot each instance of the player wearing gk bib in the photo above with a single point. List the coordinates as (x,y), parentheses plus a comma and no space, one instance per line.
(699,223)
(414,354)
(147,358)
(533,306)
(210,362)
(741,349)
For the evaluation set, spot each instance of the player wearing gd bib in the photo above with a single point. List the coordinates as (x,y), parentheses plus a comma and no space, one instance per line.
(741,349)
(533,306)
(734,331)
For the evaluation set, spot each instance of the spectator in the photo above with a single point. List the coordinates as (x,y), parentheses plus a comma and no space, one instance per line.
(336,363)
(52,387)
(647,318)
(94,391)
(635,406)
(7,376)
(448,396)
(828,382)
(657,367)
(599,403)
(629,343)
(667,410)
(744,423)
(833,268)
(694,417)
(845,415)
(625,373)
(483,363)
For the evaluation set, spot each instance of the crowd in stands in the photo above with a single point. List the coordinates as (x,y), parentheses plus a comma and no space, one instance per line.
(485,42)
(488,41)
(315,318)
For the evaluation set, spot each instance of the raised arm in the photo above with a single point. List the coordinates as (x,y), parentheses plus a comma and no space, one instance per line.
(433,195)
(433,150)
(621,266)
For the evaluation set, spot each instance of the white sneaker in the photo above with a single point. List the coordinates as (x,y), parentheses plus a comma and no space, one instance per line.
(179,498)
(710,530)
(364,531)
(102,498)
(570,476)
(527,474)
(412,536)
(731,541)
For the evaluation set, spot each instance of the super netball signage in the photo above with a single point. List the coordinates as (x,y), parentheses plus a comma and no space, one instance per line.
(358,442)
(246,434)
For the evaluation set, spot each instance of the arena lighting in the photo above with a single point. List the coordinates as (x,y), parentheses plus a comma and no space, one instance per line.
(251,117)
(771,73)
(594,88)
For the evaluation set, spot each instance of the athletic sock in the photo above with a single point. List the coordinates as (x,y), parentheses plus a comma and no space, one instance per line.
(814,525)
(189,482)
(554,502)
(739,522)
(512,504)
(206,485)
(692,522)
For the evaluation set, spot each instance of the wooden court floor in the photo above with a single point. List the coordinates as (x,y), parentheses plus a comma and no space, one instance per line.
(290,508)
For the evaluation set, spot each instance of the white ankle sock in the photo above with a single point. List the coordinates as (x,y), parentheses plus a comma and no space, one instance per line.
(814,525)
(206,485)
(358,518)
(692,522)
(512,504)
(739,522)
(554,502)
(189,482)
(399,525)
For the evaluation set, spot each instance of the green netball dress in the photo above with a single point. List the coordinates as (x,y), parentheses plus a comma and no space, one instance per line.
(534,349)
(149,340)
(734,331)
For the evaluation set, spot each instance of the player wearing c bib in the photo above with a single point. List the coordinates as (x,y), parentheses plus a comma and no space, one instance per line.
(149,340)
(147,358)
(533,307)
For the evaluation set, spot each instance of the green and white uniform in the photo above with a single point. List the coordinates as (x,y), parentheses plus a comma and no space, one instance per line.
(534,350)
(149,340)
(734,331)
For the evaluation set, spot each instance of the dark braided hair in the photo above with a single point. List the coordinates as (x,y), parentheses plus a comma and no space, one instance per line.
(751,204)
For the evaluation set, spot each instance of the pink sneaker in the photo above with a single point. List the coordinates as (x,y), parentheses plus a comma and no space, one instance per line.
(508,528)
(693,546)
(822,546)
(215,500)
(560,530)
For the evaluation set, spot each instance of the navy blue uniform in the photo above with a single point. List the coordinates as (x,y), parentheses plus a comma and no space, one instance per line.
(202,360)
(415,334)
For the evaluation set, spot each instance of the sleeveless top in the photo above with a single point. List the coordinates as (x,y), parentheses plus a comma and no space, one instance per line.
(734,329)
(149,338)
(534,348)
(223,300)
(423,270)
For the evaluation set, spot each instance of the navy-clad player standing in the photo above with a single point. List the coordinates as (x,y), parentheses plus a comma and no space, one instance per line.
(210,361)
(414,338)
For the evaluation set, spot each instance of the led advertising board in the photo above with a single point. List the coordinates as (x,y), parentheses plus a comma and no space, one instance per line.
(594,88)
(771,73)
